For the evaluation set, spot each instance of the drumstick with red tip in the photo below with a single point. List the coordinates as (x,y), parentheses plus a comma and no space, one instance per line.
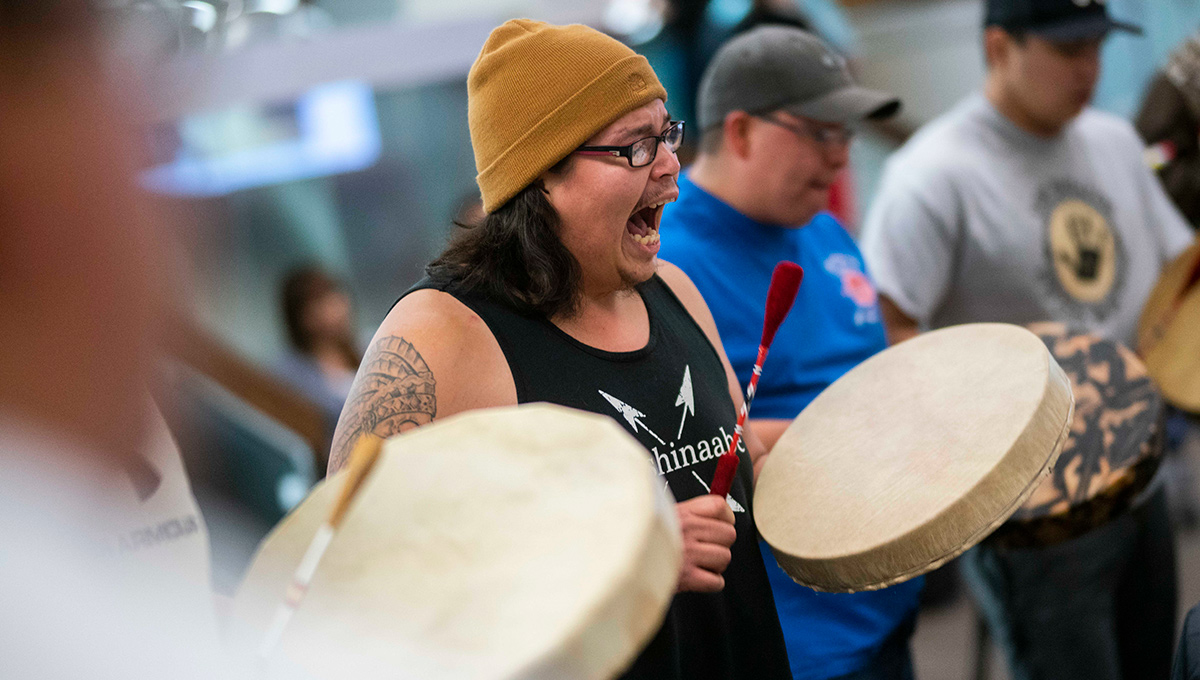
(785,283)
(362,460)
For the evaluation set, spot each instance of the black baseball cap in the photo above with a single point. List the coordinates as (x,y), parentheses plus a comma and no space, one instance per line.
(1055,20)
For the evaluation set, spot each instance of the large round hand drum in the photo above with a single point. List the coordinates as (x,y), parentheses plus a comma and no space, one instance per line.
(913,456)
(528,542)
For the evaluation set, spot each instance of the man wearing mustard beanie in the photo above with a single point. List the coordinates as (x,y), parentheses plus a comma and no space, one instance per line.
(557,296)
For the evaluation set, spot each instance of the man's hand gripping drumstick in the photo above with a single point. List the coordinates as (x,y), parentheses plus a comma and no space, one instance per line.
(785,283)
(707,522)
(362,460)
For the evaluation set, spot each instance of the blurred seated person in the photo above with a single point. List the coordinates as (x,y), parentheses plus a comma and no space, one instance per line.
(324,356)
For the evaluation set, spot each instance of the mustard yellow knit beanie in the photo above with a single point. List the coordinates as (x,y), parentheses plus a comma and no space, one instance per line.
(538,91)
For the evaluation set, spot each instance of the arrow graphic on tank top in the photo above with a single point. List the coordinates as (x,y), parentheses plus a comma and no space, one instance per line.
(631,415)
(686,398)
(733,505)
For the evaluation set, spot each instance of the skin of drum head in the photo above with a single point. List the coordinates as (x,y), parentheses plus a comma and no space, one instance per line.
(1168,340)
(525,542)
(912,457)
(1116,425)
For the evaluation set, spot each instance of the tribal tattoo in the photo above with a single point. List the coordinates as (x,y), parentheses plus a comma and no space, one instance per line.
(394,392)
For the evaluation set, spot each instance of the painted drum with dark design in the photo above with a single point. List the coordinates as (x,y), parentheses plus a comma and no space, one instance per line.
(1113,448)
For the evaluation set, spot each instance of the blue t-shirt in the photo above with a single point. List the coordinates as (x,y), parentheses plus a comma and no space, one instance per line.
(834,325)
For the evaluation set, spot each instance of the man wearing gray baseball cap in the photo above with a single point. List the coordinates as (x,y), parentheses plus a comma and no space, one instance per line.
(777,109)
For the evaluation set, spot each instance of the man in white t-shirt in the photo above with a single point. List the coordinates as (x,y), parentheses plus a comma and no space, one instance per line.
(1023,205)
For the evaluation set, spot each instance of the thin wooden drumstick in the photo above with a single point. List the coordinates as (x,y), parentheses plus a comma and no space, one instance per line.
(362,460)
(785,283)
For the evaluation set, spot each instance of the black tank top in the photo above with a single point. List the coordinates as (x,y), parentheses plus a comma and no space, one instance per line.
(673,396)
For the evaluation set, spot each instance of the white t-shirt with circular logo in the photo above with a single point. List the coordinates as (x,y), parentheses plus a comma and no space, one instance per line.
(979,220)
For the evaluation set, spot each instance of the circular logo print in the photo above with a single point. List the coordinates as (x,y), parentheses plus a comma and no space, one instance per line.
(857,287)
(1084,251)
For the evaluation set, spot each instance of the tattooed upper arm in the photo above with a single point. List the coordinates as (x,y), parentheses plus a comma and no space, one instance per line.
(394,391)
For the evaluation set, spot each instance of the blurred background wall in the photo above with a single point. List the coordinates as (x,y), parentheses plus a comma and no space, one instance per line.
(391,77)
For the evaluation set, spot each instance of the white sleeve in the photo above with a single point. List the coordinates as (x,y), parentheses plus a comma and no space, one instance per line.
(910,240)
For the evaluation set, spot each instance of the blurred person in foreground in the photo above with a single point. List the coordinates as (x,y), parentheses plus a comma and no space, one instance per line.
(324,355)
(105,569)
(777,112)
(557,295)
(1023,205)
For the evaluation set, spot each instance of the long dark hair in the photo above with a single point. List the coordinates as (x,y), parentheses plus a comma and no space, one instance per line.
(515,256)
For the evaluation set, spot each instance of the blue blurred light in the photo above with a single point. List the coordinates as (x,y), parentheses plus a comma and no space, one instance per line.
(726,13)
(336,131)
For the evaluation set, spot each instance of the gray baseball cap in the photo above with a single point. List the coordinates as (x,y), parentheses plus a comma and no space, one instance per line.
(773,68)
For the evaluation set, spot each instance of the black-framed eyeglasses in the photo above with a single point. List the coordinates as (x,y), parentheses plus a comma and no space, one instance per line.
(643,151)
(825,136)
